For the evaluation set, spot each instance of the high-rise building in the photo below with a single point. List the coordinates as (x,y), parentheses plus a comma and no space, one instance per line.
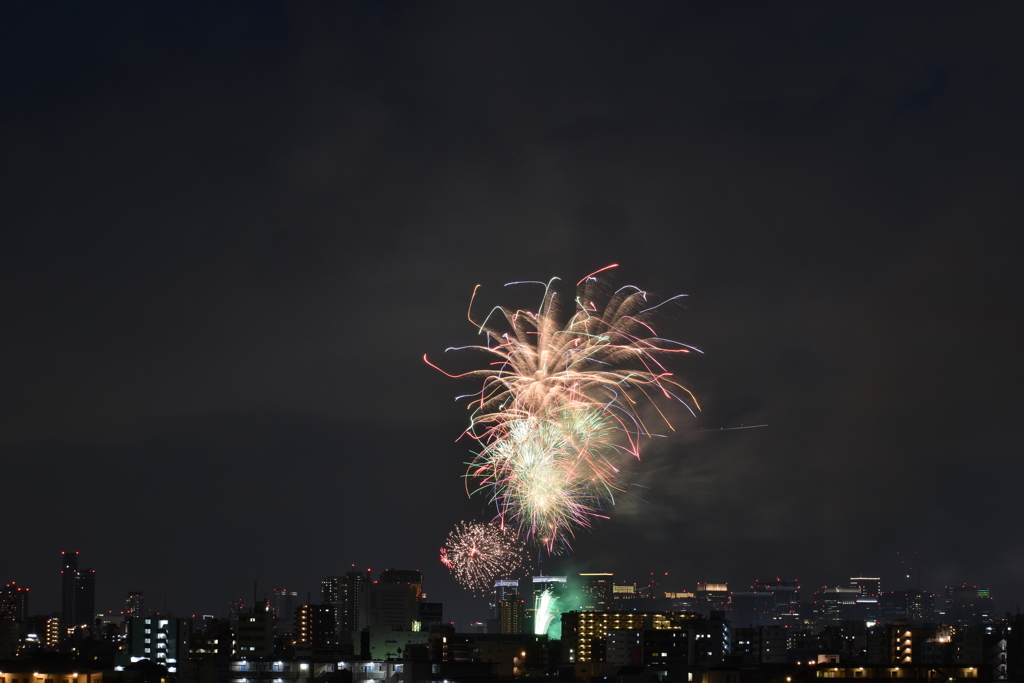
(393,601)
(406,577)
(870,587)
(585,634)
(78,599)
(254,635)
(314,625)
(785,603)
(135,605)
(14,602)
(752,608)
(512,615)
(503,590)
(597,590)
(836,604)
(282,604)
(344,594)
(968,605)
(553,584)
(388,605)
(160,639)
(711,597)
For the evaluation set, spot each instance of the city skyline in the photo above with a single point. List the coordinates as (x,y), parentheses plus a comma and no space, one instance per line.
(233,234)
(330,592)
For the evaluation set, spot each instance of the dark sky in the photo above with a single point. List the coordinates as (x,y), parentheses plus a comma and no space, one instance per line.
(232,230)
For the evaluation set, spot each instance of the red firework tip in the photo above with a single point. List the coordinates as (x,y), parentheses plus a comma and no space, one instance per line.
(614,265)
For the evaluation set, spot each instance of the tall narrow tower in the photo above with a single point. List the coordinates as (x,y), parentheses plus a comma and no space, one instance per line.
(78,592)
(68,576)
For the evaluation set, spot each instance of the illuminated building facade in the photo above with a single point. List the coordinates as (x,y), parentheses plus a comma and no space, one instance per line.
(712,597)
(344,594)
(597,589)
(54,632)
(585,634)
(504,589)
(314,625)
(512,615)
(160,639)
(622,592)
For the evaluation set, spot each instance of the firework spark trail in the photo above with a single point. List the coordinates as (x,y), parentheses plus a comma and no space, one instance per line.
(479,552)
(559,407)
(546,613)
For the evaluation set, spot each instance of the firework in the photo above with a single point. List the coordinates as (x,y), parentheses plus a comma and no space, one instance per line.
(560,404)
(546,614)
(552,472)
(479,552)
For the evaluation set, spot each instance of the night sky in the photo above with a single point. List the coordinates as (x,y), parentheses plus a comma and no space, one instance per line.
(232,230)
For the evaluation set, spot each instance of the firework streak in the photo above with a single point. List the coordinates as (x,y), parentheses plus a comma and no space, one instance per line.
(560,405)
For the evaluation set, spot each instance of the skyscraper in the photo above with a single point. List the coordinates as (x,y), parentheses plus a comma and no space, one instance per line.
(512,615)
(14,602)
(342,593)
(412,578)
(134,605)
(596,588)
(283,605)
(78,599)
(503,590)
